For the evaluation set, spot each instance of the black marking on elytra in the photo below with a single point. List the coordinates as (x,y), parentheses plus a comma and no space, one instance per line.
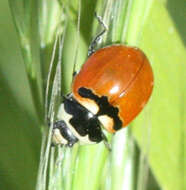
(65,132)
(104,107)
(84,122)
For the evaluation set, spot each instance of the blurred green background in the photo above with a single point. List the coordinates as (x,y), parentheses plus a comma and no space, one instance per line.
(20,135)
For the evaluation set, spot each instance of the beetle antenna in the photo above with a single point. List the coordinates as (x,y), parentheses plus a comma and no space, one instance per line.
(91,48)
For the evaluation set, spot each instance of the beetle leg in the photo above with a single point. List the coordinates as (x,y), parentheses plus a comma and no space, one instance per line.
(106,143)
(74,74)
(91,48)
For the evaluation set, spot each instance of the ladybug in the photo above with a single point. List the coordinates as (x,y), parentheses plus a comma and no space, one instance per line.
(112,87)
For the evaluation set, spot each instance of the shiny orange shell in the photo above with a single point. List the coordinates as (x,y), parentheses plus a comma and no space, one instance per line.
(121,73)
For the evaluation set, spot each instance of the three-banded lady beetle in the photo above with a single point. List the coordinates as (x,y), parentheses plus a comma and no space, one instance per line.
(110,90)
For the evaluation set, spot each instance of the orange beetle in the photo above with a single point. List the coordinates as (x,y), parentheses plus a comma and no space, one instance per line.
(111,88)
(120,73)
